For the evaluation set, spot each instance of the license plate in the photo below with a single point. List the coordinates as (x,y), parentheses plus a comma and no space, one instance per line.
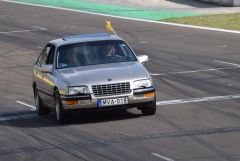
(112,102)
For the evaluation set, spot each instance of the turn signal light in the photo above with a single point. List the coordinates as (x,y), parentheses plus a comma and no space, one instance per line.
(149,94)
(71,102)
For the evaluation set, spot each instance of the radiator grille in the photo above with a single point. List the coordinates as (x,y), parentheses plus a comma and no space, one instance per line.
(111,89)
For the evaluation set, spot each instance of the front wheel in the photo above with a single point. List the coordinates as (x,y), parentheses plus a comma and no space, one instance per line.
(60,112)
(41,110)
(149,109)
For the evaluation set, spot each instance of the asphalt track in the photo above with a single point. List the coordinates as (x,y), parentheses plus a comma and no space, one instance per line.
(196,75)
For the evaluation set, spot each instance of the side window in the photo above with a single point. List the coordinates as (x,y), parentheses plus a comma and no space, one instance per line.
(48,55)
(39,60)
(51,55)
(45,55)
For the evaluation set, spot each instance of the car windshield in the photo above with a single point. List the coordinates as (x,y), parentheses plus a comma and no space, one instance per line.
(93,53)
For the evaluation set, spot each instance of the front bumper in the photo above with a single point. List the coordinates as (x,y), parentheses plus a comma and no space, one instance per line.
(137,97)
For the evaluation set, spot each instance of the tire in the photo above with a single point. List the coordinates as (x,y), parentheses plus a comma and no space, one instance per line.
(41,110)
(149,110)
(61,115)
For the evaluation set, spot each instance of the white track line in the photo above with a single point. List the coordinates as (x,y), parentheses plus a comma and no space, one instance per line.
(126,18)
(22,53)
(197,71)
(25,104)
(204,70)
(157,74)
(40,28)
(8,118)
(161,157)
(24,116)
(228,63)
(196,100)
(232,66)
(143,42)
(20,31)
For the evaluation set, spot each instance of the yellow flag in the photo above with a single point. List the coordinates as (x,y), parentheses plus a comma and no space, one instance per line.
(109,26)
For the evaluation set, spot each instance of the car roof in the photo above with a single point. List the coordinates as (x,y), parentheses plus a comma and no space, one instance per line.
(84,38)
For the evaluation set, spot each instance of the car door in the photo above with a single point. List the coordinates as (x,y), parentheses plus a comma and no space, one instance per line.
(38,76)
(44,80)
(48,78)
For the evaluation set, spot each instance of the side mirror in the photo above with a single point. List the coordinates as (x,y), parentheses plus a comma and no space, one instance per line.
(46,68)
(143,58)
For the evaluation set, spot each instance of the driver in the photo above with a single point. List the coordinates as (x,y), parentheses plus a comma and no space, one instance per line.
(71,59)
(110,50)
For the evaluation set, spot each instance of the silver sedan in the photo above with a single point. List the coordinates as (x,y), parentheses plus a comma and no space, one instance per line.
(95,71)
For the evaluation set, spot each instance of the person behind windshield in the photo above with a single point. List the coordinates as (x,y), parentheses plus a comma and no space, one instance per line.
(71,59)
(110,51)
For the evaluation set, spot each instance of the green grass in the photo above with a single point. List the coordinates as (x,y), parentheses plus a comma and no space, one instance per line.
(223,21)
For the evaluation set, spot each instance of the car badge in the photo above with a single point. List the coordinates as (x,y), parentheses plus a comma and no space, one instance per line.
(109,79)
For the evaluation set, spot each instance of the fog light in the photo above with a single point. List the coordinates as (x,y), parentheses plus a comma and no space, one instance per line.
(71,102)
(149,94)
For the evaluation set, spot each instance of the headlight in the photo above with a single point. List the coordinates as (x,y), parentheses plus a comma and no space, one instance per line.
(78,90)
(142,83)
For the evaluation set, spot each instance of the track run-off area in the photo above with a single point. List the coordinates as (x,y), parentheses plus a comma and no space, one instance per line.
(195,73)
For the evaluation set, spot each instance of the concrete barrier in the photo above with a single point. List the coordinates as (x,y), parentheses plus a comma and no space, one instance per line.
(224,2)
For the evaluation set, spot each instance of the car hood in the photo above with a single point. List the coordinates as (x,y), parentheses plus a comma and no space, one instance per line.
(101,74)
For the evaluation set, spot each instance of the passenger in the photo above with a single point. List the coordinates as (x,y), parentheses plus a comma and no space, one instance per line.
(71,58)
